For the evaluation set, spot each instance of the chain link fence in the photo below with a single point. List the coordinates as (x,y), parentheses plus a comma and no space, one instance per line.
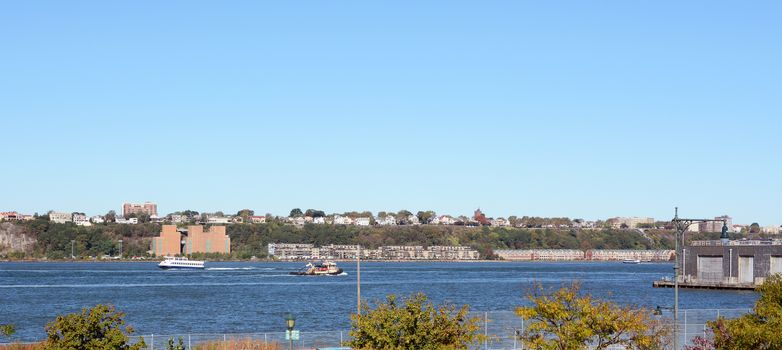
(501,329)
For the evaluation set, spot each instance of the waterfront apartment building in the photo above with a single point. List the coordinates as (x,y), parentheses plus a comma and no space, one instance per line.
(589,255)
(136,208)
(288,251)
(439,252)
(629,254)
(296,251)
(196,240)
(540,254)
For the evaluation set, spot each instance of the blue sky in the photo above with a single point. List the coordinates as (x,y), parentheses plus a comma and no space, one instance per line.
(557,108)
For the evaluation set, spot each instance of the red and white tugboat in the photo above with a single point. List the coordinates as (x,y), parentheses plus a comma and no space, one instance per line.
(323,269)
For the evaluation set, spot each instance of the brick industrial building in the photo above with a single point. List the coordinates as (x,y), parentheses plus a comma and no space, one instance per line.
(194,239)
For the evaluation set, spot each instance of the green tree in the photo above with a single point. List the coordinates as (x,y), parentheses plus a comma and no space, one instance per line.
(245,213)
(99,328)
(759,329)
(566,320)
(403,214)
(754,228)
(295,212)
(180,345)
(425,216)
(414,323)
(7,330)
(111,216)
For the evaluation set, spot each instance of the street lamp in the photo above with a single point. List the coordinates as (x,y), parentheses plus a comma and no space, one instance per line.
(682,225)
(290,322)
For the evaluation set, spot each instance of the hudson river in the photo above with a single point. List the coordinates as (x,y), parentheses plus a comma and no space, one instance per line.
(245,297)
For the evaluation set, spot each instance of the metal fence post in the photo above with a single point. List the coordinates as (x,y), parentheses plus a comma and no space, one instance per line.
(684,342)
(486,330)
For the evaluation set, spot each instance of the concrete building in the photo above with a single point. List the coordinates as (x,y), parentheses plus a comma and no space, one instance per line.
(771,229)
(716,226)
(196,240)
(740,262)
(60,217)
(211,240)
(258,219)
(631,222)
(169,243)
(136,208)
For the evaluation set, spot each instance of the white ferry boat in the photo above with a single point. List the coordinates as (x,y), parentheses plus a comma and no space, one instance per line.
(173,262)
(631,261)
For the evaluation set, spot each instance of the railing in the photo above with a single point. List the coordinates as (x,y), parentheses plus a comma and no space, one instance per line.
(736,242)
(501,329)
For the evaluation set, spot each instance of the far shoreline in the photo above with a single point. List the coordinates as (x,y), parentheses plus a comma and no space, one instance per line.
(106,261)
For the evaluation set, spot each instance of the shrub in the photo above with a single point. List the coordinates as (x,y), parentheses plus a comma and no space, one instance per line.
(565,319)
(413,324)
(99,328)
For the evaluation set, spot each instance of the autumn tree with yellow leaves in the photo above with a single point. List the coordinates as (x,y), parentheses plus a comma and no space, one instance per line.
(568,320)
(413,323)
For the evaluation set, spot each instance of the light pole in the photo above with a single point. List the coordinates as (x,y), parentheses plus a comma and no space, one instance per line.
(358,279)
(72,256)
(290,322)
(681,226)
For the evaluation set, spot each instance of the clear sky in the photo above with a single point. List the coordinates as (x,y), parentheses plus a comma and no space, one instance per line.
(586,109)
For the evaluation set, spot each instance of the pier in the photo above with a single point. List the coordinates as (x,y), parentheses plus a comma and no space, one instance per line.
(704,285)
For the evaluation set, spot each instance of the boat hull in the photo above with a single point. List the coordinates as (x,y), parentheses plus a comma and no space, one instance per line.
(181,267)
(317,273)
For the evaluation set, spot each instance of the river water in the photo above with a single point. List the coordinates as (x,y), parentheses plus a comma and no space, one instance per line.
(245,297)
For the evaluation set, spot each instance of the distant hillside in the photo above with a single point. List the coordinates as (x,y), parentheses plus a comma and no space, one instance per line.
(41,238)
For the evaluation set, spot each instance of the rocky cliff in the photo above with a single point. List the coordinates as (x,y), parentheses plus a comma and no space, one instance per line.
(14,239)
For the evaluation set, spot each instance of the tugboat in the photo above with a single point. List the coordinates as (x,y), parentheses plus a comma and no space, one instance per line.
(172,262)
(323,269)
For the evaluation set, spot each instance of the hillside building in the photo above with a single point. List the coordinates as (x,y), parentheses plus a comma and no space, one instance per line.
(147,208)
